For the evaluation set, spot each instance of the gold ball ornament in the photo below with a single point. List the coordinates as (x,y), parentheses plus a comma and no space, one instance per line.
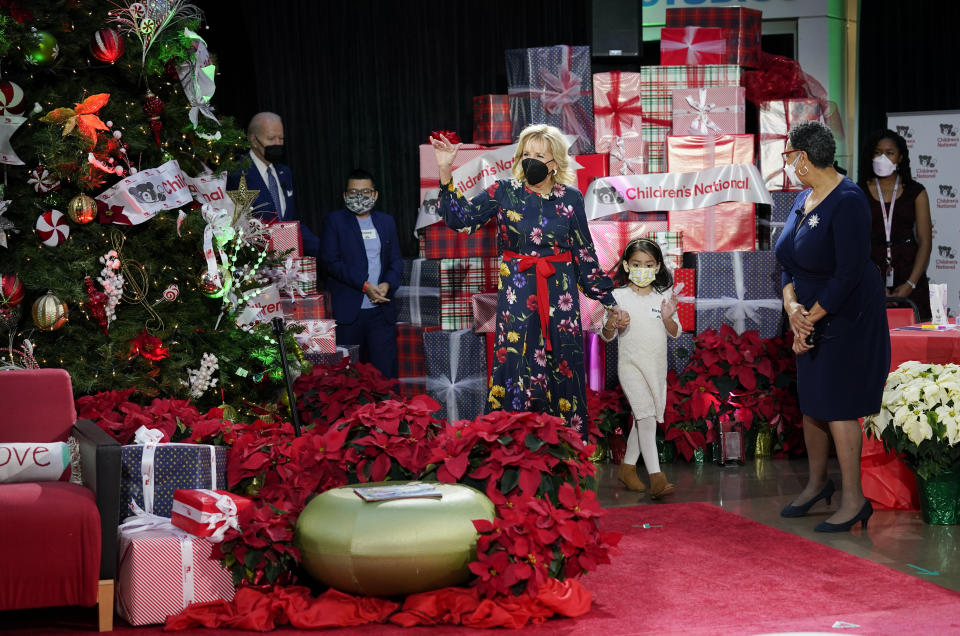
(49,312)
(82,209)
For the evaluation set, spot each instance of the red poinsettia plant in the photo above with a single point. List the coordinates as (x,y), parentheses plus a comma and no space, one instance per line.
(534,468)
(327,393)
(733,379)
(610,420)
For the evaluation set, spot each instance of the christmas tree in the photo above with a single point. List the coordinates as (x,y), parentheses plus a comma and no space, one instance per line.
(117,263)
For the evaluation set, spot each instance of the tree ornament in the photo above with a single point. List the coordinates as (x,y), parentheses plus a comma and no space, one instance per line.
(11,291)
(11,99)
(49,312)
(107,45)
(82,118)
(171,293)
(52,228)
(215,288)
(153,106)
(41,49)
(42,180)
(82,209)
(97,304)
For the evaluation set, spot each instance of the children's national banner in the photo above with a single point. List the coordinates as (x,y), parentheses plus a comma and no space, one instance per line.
(675,190)
(933,140)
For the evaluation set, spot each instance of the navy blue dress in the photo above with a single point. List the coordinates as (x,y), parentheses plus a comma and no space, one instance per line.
(827,258)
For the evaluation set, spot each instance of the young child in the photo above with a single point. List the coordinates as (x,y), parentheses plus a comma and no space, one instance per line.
(645,291)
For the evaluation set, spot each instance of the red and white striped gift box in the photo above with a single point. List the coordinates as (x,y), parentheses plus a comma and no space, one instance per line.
(207,513)
(285,235)
(163,569)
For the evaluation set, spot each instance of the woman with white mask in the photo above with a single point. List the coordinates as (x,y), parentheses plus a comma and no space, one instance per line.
(834,298)
(901,237)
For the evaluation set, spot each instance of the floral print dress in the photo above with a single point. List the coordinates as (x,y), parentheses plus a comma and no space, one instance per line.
(547,254)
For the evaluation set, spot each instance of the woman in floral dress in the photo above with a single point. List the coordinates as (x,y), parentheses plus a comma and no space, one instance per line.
(547,253)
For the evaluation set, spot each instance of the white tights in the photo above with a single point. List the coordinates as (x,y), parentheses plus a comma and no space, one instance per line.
(643,440)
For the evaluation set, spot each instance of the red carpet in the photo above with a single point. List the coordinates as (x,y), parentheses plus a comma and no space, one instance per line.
(701,570)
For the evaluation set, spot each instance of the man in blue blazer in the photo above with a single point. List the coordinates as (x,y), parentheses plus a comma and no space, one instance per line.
(273,179)
(360,251)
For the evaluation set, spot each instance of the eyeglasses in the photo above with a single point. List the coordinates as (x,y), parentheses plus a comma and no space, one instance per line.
(787,153)
(367,192)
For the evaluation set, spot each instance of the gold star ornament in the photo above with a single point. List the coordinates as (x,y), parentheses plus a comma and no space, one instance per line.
(242,197)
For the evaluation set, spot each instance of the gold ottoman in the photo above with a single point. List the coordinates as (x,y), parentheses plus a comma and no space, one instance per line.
(388,548)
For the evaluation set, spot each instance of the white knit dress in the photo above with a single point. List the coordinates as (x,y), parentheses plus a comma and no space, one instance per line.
(642,352)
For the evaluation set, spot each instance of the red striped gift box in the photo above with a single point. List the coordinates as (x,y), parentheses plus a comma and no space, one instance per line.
(318,336)
(741,27)
(684,286)
(725,227)
(162,569)
(205,513)
(285,235)
(693,153)
(491,119)
(616,108)
(692,45)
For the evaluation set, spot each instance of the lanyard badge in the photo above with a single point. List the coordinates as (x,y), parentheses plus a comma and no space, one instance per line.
(888,224)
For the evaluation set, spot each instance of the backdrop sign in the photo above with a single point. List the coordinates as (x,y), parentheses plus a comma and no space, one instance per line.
(675,190)
(933,139)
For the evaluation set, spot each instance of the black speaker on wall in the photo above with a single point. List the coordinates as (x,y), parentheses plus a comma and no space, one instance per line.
(617,28)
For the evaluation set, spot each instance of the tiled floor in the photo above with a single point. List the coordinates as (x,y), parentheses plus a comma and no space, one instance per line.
(759,489)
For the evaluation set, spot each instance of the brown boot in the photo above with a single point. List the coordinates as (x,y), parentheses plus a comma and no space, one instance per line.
(628,476)
(659,486)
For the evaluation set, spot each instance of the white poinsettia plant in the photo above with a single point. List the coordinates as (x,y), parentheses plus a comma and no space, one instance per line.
(919,418)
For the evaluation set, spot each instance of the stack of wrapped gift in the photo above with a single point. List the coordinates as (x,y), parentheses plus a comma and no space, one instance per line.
(617,116)
(777,117)
(739,27)
(456,367)
(163,568)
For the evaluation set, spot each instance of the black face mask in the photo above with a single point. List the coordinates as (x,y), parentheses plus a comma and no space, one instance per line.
(535,170)
(273,154)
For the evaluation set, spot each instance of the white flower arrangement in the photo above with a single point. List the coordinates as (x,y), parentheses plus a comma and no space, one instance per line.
(200,380)
(920,416)
(112,281)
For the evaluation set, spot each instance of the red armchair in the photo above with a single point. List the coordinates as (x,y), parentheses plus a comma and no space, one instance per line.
(58,540)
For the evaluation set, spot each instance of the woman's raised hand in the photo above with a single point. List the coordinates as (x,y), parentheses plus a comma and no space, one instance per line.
(445,153)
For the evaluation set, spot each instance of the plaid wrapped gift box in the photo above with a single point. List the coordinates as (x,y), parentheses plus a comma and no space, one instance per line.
(693,153)
(173,467)
(629,156)
(162,569)
(671,244)
(771,221)
(485,312)
(418,297)
(439,241)
(741,26)
(456,364)
(207,513)
(616,108)
(741,289)
(332,359)
(307,268)
(679,350)
(285,235)
(309,307)
(552,85)
(684,286)
(709,111)
(656,97)
(692,45)
(594,166)
(318,336)
(410,351)
(460,279)
(777,117)
(491,119)
(723,227)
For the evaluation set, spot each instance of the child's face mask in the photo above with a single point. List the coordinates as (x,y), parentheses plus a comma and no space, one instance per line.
(642,276)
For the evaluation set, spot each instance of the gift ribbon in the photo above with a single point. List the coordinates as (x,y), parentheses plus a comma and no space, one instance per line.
(544,269)
(219,227)
(290,277)
(559,95)
(143,521)
(447,389)
(315,334)
(626,163)
(150,439)
(620,112)
(414,292)
(738,309)
(702,124)
(695,50)
(774,227)
(226,518)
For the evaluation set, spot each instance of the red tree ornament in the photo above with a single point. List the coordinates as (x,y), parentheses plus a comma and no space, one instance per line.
(106,45)
(11,99)
(97,303)
(11,290)
(153,107)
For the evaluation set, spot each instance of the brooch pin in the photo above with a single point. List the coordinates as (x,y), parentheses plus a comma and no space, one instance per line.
(814,221)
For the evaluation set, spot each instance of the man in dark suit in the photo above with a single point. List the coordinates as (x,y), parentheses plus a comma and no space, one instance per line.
(272,178)
(360,251)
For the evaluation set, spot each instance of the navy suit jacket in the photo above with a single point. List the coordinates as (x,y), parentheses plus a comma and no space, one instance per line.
(263,204)
(345,260)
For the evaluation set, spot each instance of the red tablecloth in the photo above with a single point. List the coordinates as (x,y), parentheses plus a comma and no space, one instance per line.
(887,482)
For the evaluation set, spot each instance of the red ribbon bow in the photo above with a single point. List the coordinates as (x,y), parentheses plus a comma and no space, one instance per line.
(545,269)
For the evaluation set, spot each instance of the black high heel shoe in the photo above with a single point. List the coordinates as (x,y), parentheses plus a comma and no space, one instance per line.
(799,511)
(861,516)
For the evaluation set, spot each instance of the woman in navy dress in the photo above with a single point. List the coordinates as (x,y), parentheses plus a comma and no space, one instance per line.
(835,300)
(547,254)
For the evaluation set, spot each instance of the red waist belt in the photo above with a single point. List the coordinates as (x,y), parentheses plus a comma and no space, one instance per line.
(545,270)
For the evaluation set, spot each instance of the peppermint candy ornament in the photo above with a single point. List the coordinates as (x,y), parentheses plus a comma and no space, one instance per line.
(42,180)
(11,99)
(52,228)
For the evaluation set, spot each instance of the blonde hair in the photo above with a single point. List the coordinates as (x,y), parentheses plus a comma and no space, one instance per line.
(553,137)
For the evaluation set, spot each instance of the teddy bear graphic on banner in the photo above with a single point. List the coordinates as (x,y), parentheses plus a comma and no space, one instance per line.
(146,193)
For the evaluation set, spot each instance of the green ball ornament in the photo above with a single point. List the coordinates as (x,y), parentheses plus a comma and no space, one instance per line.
(42,49)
